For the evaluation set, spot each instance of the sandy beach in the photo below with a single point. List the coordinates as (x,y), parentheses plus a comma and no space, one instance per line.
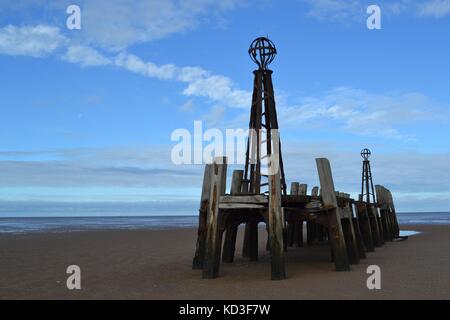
(156,264)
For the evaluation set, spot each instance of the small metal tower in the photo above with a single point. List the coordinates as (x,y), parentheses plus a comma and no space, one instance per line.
(367,190)
(264,141)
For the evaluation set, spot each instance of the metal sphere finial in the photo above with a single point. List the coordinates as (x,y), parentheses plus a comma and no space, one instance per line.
(262,51)
(365,153)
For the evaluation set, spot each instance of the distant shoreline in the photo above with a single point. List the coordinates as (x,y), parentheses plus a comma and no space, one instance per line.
(21,225)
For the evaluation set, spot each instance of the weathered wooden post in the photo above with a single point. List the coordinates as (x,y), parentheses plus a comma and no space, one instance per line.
(275,217)
(250,246)
(357,230)
(229,246)
(199,256)
(373,218)
(295,229)
(349,232)
(393,214)
(365,226)
(214,234)
(336,234)
(292,226)
(384,212)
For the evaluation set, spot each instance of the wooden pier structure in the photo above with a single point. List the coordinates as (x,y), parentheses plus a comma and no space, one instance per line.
(351,227)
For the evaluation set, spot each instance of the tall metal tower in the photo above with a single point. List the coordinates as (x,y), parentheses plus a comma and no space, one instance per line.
(263,142)
(367,190)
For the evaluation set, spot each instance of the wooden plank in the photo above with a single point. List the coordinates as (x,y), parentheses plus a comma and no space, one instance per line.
(240,206)
(199,256)
(214,234)
(336,233)
(251,199)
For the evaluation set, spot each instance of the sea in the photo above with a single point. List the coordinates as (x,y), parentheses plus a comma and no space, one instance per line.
(21,225)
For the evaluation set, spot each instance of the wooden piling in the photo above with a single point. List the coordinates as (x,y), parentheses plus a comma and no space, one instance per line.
(351,239)
(336,234)
(199,256)
(214,234)
(275,222)
(365,226)
(229,245)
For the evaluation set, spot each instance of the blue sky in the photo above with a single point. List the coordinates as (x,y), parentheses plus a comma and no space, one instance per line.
(87,115)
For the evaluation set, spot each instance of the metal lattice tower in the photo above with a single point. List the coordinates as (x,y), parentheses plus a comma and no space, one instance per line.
(367,189)
(263,143)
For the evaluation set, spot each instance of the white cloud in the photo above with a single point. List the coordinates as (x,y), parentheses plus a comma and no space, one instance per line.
(335,9)
(120,24)
(34,41)
(41,40)
(412,176)
(435,8)
(85,56)
(363,113)
(134,64)
(201,83)
(187,106)
(355,10)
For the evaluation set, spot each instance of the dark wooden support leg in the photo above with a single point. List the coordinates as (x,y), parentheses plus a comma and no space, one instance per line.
(320,233)
(229,246)
(380,226)
(350,241)
(246,245)
(300,233)
(290,234)
(213,252)
(375,230)
(386,227)
(365,227)
(359,239)
(310,232)
(253,240)
(336,234)
(199,256)
(275,222)
(337,242)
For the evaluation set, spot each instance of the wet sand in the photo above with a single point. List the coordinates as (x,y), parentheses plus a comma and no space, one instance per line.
(150,264)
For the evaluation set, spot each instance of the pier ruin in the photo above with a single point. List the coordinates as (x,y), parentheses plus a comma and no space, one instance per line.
(259,194)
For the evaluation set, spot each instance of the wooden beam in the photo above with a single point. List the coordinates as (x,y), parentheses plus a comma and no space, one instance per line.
(250,199)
